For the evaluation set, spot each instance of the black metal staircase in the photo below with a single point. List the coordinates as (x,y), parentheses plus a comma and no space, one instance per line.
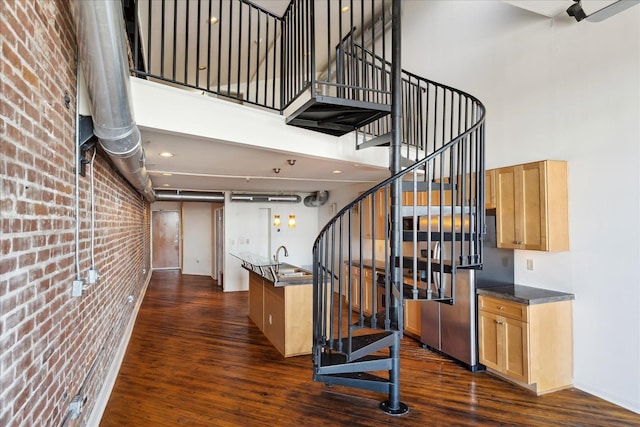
(405,238)
(414,230)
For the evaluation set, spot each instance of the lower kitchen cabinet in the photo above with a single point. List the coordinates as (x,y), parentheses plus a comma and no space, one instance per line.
(283,314)
(531,345)
(412,317)
(412,322)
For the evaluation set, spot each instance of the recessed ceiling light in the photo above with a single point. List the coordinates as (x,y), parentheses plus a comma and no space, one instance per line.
(167,174)
(165,185)
(345,9)
(213,20)
(166,154)
(337,171)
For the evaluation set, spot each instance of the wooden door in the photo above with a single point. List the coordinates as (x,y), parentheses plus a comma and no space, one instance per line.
(165,239)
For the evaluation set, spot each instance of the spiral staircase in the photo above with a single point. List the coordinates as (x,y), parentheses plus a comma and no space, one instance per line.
(334,69)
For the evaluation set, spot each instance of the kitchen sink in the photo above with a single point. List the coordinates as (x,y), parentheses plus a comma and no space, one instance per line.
(287,271)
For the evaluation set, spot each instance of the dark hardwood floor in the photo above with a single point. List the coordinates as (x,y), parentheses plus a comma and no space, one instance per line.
(195,359)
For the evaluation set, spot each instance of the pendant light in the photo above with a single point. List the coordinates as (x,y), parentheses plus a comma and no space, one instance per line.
(292,217)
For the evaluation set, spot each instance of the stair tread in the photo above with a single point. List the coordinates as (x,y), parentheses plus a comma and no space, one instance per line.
(333,358)
(421,186)
(360,341)
(365,376)
(446,236)
(336,116)
(409,210)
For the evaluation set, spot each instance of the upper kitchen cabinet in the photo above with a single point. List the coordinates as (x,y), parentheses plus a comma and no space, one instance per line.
(532,206)
(379,217)
(490,189)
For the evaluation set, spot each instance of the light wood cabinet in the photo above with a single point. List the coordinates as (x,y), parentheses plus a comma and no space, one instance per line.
(531,345)
(411,308)
(532,206)
(412,317)
(379,217)
(283,314)
(256,300)
(490,189)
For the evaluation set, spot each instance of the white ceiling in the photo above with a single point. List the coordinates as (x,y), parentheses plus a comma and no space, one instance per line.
(211,165)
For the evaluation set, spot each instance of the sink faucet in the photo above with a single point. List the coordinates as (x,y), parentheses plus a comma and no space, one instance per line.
(276,257)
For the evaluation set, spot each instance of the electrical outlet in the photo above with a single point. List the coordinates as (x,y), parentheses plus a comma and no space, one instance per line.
(93,276)
(76,289)
(530,264)
(75,407)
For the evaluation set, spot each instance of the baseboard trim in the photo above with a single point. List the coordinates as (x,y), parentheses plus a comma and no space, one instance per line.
(107,386)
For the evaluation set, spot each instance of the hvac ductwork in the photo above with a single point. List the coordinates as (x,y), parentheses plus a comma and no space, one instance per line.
(102,51)
(189,196)
(317,199)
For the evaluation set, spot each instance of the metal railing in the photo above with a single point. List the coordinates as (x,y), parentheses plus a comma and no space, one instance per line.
(443,211)
(233,50)
(238,50)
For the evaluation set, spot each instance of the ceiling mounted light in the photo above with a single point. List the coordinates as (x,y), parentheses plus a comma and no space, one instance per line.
(167,174)
(202,67)
(345,9)
(337,171)
(165,185)
(166,154)
(213,20)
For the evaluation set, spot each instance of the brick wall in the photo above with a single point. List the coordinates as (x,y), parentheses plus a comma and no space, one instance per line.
(53,346)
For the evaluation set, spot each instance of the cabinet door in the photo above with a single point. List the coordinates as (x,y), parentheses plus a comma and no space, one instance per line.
(379,216)
(515,340)
(506,222)
(367,291)
(531,207)
(256,300)
(489,347)
(274,316)
(490,189)
(412,316)
(355,288)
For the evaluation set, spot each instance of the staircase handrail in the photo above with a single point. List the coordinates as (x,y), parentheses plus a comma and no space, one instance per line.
(409,169)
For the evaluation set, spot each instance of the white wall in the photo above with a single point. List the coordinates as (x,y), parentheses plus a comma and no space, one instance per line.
(558,89)
(243,222)
(196,238)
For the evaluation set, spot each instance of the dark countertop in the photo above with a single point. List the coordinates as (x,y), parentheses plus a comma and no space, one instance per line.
(525,294)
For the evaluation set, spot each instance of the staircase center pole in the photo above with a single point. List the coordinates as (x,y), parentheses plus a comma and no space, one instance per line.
(393,406)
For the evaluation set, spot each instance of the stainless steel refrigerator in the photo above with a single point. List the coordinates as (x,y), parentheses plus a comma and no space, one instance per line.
(452,329)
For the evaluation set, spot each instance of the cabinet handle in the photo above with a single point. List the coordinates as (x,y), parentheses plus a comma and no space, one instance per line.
(500,307)
(518,242)
(499,322)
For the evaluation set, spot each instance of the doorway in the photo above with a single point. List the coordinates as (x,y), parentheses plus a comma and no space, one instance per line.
(218,249)
(165,239)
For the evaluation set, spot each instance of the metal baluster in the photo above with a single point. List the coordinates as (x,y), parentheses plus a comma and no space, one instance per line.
(175,40)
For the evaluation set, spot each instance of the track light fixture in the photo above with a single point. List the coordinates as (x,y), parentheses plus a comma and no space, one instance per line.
(576,11)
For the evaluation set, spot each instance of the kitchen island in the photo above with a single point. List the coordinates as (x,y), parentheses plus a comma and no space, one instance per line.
(281,305)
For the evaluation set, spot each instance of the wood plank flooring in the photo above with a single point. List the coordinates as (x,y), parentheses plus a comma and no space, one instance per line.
(195,359)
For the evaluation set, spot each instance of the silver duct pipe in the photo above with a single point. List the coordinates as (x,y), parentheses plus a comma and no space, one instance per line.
(316,199)
(189,196)
(102,48)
